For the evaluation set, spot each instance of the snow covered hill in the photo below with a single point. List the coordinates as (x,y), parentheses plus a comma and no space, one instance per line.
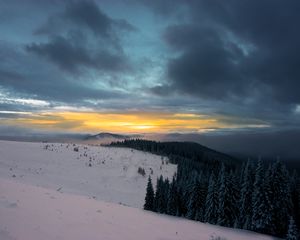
(70,191)
(109,174)
(34,213)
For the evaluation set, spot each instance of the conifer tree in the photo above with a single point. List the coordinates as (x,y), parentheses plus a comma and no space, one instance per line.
(197,200)
(295,195)
(211,202)
(232,198)
(228,197)
(149,199)
(260,211)
(186,189)
(165,191)
(200,214)
(292,233)
(180,205)
(158,199)
(172,198)
(279,199)
(222,184)
(245,203)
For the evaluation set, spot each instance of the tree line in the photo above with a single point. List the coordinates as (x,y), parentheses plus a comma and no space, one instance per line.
(265,200)
(214,188)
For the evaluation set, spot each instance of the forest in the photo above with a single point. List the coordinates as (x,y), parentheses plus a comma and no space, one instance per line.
(216,188)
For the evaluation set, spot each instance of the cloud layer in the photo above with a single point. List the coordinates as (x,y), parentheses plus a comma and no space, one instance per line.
(234,60)
(237,49)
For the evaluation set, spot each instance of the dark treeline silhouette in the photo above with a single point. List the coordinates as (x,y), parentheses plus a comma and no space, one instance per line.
(215,188)
(181,151)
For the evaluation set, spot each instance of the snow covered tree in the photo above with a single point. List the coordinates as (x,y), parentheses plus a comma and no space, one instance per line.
(259,209)
(228,197)
(292,230)
(180,205)
(165,192)
(159,196)
(222,184)
(295,194)
(172,198)
(278,197)
(232,212)
(185,193)
(245,203)
(149,199)
(211,202)
(197,200)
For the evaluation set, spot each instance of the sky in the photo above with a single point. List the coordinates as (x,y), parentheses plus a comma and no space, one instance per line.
(137,66)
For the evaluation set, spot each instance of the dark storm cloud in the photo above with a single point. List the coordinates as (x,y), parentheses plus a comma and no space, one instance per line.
(74,52)
(83,36)
(237,49)
(87,14)
(164,8)
(68,56)
(206,67)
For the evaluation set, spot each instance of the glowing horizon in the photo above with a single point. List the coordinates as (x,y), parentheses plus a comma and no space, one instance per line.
(128,122)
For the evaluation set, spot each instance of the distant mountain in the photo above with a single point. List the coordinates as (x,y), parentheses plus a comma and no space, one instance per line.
(106,135)
(107,138)
(245,143)
(112,136)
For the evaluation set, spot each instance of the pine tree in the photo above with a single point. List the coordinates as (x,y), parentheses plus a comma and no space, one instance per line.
(232,212)
(295,194)
(211,202)
(245,203)
(269,202)
(186,188)
(200,214)
(279,199)
(159,198)
(298,194)
(222,184)
(228,197)
(165,191)
(197,200)
(149,199)
(260,211)
(172,198)
(292,233)
(180,205)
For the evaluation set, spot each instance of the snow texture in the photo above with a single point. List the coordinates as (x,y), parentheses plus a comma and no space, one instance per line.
(52,191)
(104,173)
(34,213)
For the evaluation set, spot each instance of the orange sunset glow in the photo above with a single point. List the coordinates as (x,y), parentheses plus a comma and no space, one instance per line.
(142,122)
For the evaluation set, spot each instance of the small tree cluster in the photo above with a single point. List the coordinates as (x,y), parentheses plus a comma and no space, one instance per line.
(141,171)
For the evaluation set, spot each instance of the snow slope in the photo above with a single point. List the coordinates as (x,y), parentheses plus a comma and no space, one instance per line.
(103,173)
(35,213)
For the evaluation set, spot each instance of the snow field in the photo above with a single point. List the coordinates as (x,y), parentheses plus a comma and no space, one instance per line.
(108,174)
